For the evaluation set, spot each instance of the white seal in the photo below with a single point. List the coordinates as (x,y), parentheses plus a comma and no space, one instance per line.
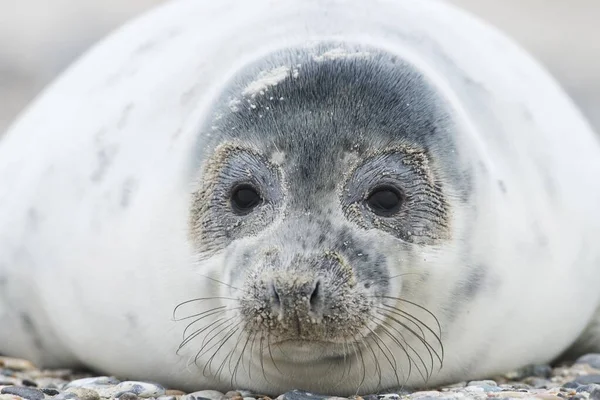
(338,196)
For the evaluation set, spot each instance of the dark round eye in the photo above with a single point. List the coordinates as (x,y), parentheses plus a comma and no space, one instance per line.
(244,198)
(385,200)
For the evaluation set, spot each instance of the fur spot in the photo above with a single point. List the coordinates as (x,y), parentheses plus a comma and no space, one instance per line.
(29,327)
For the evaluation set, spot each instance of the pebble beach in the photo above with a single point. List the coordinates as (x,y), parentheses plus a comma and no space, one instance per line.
(579,380)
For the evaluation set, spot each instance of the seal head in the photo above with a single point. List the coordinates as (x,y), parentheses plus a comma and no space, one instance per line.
(320,188)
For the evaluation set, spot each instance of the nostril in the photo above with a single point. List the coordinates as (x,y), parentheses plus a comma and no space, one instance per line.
(316,298)
(274,295)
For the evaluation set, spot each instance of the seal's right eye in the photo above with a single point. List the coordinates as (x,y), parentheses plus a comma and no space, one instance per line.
(244,198)
(385,200)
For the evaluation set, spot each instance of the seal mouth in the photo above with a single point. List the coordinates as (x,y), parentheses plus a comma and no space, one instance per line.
(305,350)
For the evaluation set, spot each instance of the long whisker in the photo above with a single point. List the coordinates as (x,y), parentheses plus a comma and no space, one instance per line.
(199,299)
(393,364)
(198,332)
(425,343)
(414,320)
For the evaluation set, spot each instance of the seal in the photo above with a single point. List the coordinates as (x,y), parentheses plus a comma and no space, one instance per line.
(335,196)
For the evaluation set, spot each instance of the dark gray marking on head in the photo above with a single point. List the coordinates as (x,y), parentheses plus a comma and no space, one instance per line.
(331,108)
(128,189)
(30,328)
(125,116)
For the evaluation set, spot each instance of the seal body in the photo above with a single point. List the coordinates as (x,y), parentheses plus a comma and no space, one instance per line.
(329,195)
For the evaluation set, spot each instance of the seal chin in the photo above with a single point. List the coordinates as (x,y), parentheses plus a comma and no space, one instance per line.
(302,350)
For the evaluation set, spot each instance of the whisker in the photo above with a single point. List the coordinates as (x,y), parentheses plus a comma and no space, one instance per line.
(199,299)
(197,333)
(210,360)
(394,365)
(410,360)
(423,341)
(414,320)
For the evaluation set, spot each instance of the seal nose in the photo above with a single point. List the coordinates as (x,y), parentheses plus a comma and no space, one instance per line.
(297,298)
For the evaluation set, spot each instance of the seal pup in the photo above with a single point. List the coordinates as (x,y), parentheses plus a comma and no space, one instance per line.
(336,196)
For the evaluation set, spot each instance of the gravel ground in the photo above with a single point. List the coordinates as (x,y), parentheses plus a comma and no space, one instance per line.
(20,379)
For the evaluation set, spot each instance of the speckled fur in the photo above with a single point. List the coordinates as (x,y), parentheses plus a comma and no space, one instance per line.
(119,251)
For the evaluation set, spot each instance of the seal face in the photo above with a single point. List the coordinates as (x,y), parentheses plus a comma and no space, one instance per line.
(342,197)
(319,182)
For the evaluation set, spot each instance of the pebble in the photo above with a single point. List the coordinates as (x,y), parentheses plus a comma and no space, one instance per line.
(127,396)
(301,395)
(172,393)
(83,393)
(94,382)
(587,379)
(592,359)
(24,392)
(20,380)
(16,364)
(205,394)
(141,389)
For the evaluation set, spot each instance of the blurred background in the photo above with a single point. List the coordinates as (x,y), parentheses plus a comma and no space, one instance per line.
(39,38)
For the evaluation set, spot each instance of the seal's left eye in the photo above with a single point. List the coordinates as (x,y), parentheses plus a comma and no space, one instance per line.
(385,200)
(244,198)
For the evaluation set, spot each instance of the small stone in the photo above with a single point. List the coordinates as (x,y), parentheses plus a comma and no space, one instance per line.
(540,371)
(126,396)
(587,388)
(250,398)
(141,389)
(370,397)
(592,359)
(23,391)
(206,394)
(538,383)
(247,393)
(9,397)
(16,364)
(93,382)
(302,395)
(84,393)
(65,396)
(587,379)
(511,395)
(388,396)
(482,383)
(173,392)
(571,385)
(578,397)
(50,391)
(27,382)
(166,397)
(232,394)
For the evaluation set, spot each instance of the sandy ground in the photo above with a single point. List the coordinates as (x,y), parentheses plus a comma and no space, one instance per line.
(39,38)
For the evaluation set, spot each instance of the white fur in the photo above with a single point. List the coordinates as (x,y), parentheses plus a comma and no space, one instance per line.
(81,265)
